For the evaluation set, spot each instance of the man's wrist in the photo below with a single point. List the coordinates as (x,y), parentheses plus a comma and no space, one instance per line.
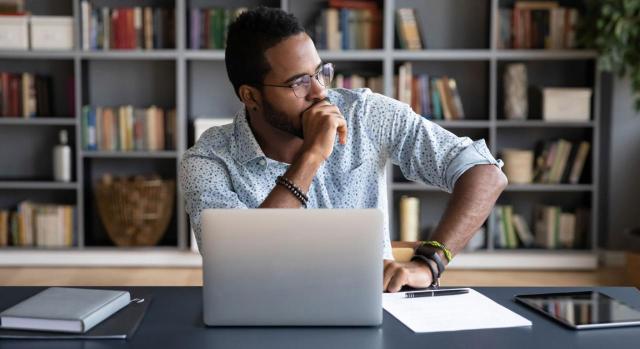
(428,267)
(310,159)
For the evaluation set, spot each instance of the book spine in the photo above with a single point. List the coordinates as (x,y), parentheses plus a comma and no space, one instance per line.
(105,311)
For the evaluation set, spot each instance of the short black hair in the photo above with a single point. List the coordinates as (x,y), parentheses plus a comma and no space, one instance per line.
(249,36)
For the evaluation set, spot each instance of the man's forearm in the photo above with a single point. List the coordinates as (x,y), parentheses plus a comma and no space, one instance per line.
(301,173)
(473,197)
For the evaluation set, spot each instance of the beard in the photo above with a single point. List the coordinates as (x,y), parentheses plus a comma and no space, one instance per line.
(280,120)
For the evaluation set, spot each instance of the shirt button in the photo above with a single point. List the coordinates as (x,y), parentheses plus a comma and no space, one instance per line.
(262,162)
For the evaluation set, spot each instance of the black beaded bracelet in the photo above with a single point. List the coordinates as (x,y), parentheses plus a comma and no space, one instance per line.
(285,182)
(288,181)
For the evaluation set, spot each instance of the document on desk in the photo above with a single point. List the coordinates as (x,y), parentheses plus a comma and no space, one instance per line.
(470,311)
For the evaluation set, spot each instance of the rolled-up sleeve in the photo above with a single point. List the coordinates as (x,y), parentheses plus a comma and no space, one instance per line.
(476,153)
(424,151)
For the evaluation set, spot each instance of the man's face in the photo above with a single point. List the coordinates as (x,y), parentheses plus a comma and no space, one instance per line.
(292,58)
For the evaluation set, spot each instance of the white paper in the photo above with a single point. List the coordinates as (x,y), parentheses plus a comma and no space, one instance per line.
(470,311)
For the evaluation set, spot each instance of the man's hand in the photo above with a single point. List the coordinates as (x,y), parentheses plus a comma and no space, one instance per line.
(396,275)
(320,124)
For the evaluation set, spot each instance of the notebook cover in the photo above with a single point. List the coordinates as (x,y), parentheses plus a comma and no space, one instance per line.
(121,325)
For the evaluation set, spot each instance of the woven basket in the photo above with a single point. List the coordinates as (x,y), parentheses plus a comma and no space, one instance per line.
(135,212)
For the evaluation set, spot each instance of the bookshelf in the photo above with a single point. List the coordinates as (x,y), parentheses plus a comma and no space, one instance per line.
(194,82)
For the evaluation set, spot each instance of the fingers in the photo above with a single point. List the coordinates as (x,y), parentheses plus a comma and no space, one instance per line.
(342,130)
(399,279)
(387,274)
(395,276)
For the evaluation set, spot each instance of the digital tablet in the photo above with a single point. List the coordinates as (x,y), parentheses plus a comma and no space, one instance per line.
(583,310)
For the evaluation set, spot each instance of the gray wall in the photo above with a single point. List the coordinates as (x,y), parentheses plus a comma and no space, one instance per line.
(621,156)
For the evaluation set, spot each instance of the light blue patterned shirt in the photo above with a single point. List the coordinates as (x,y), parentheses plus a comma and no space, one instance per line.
(226,168)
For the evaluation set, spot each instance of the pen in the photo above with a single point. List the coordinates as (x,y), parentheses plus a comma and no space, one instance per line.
(437,293)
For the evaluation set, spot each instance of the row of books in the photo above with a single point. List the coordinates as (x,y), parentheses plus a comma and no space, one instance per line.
(537,25)
(560,161)
(553,228)
(105,28)
(348,25)
(408,29)
(208,26)
(431,97)
(374,83)
(126,128)
(25,95)
(38,224)
(557,229)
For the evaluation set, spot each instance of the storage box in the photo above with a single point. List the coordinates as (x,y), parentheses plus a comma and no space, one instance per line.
(13,32)
(566,104)
(51,33)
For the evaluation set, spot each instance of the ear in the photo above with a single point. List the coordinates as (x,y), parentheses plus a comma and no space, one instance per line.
(250,96)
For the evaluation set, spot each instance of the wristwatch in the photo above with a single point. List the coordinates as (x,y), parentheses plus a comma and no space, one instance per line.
(426,254)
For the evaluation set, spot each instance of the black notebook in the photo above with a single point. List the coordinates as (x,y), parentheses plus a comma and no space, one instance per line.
(121,325)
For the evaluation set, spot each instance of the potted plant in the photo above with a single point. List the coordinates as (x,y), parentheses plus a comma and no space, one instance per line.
(612,27)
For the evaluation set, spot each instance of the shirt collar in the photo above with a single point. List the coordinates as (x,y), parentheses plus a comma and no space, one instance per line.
(246,147)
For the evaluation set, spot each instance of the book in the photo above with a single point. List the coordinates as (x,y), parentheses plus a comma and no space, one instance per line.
(407,29)
(567,231)
(547,226)
(105,28)
(505,36)
(38,224)
(62,309)
(536,25)
(523,231)
(4,228)
(457,101)
(560,161)
(507,221)
(435,100)
(126,128)
(121,325)
(500,232)
(578,164)
(444,98)
(348,25)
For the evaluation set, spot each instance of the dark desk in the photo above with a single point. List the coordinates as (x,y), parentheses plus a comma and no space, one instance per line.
(174,320)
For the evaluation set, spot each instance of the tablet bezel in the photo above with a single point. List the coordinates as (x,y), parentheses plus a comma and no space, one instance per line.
(521,298)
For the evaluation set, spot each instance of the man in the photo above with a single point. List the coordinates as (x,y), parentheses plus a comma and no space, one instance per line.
(297,143)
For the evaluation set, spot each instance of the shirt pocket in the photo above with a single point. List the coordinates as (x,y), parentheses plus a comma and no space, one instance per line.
(353,187)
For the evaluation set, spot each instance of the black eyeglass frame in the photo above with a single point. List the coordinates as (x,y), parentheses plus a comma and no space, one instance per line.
(301,80)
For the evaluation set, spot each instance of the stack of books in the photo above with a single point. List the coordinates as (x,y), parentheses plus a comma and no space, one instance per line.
(431,97)
(208,26)
(511,229)
(126,128)
(348,25)
(537,25)
(25,95)
(105,28)
(553,228)
(560,161)
(557,229)
(375,83)
(408,30)
(40,225)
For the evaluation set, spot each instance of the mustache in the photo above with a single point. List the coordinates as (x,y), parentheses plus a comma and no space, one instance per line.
(314,103)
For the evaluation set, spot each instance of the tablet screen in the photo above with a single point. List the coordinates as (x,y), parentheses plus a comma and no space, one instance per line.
(583,309)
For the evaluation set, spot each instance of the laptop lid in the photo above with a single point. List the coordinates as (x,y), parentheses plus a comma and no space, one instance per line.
(292,267)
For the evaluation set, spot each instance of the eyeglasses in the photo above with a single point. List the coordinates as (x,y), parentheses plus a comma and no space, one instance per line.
(302,85)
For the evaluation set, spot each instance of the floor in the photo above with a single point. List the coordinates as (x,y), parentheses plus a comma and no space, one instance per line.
(193,277)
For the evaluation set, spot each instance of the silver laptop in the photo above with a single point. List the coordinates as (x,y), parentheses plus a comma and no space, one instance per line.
(292,267)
